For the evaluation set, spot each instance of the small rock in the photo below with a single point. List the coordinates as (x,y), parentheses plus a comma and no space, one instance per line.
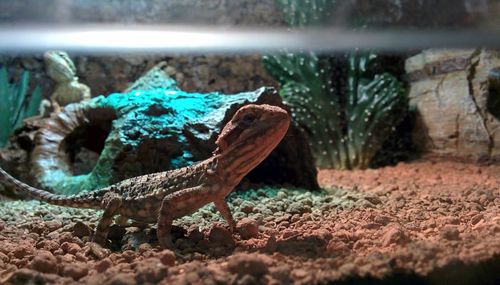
(300,273)
(122,279)
(96,251)
(38,228)
(252,264)
(144,247)
(449,221)
(81,257)
(53,235)
(2,225)
(65,258)
(450,233)
(476,219)
(337,247)
(103,265)
(246,280)
(281,195)
(221,236)
(298,208)
(53,225)
(4,257)
(295,218)
(375,200)
(28,276)
(75,270)
(50,245)
(248,228)
(129,255)
(23,250)
(167,257)
(271,244)
(382,220)
(281,273)
(81,230)
(393,235)
(71,248)
(247,207)
(150,270)
(44,262)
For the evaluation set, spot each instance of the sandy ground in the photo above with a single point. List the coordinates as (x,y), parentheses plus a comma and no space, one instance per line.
(430,221)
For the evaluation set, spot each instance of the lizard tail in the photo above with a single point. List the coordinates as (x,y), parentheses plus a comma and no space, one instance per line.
(45,196)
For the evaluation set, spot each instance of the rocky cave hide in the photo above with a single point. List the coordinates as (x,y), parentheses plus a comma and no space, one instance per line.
(147,129)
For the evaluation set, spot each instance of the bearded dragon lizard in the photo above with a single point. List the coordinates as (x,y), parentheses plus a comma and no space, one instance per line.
(244,142)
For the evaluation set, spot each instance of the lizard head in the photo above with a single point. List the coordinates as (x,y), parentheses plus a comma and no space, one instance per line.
(59,65)
(252,133)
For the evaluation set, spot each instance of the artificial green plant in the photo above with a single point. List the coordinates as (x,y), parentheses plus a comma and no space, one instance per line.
(343,103)
(15,103)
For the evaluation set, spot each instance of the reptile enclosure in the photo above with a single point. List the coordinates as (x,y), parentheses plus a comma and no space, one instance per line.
(388,173)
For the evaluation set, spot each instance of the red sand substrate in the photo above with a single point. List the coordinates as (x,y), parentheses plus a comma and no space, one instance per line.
(428,222)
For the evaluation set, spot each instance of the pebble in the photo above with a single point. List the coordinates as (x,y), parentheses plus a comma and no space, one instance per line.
(22,275)
(144,247)
(71,248)
(167,257)
(300,273)
(121,279)
(282,194)
(66,236)
(295,218)
(4,257)
(247,207)
(150,270)
(298,208)
(375,200)
(281,273)
(23,250)
(393,235)
(96,251)
(53,225)
(44,262)
(450,232)
(75,270)
(221,236)
(247,228)
(128,255)
(476,219)
(249,263)
(103,265)
(81,230)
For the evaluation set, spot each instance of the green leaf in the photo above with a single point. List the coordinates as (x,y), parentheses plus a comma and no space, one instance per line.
(15,104)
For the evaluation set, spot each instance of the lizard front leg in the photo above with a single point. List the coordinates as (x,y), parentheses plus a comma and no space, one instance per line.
(112,203)
(224,210)
(185,201)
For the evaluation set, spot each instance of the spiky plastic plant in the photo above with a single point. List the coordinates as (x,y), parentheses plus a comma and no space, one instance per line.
(15,104)
(346,110)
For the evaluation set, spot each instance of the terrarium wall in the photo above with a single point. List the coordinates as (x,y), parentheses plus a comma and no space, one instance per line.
(225,73)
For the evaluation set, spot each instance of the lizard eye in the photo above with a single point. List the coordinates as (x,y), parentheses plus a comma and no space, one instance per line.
(248,119)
